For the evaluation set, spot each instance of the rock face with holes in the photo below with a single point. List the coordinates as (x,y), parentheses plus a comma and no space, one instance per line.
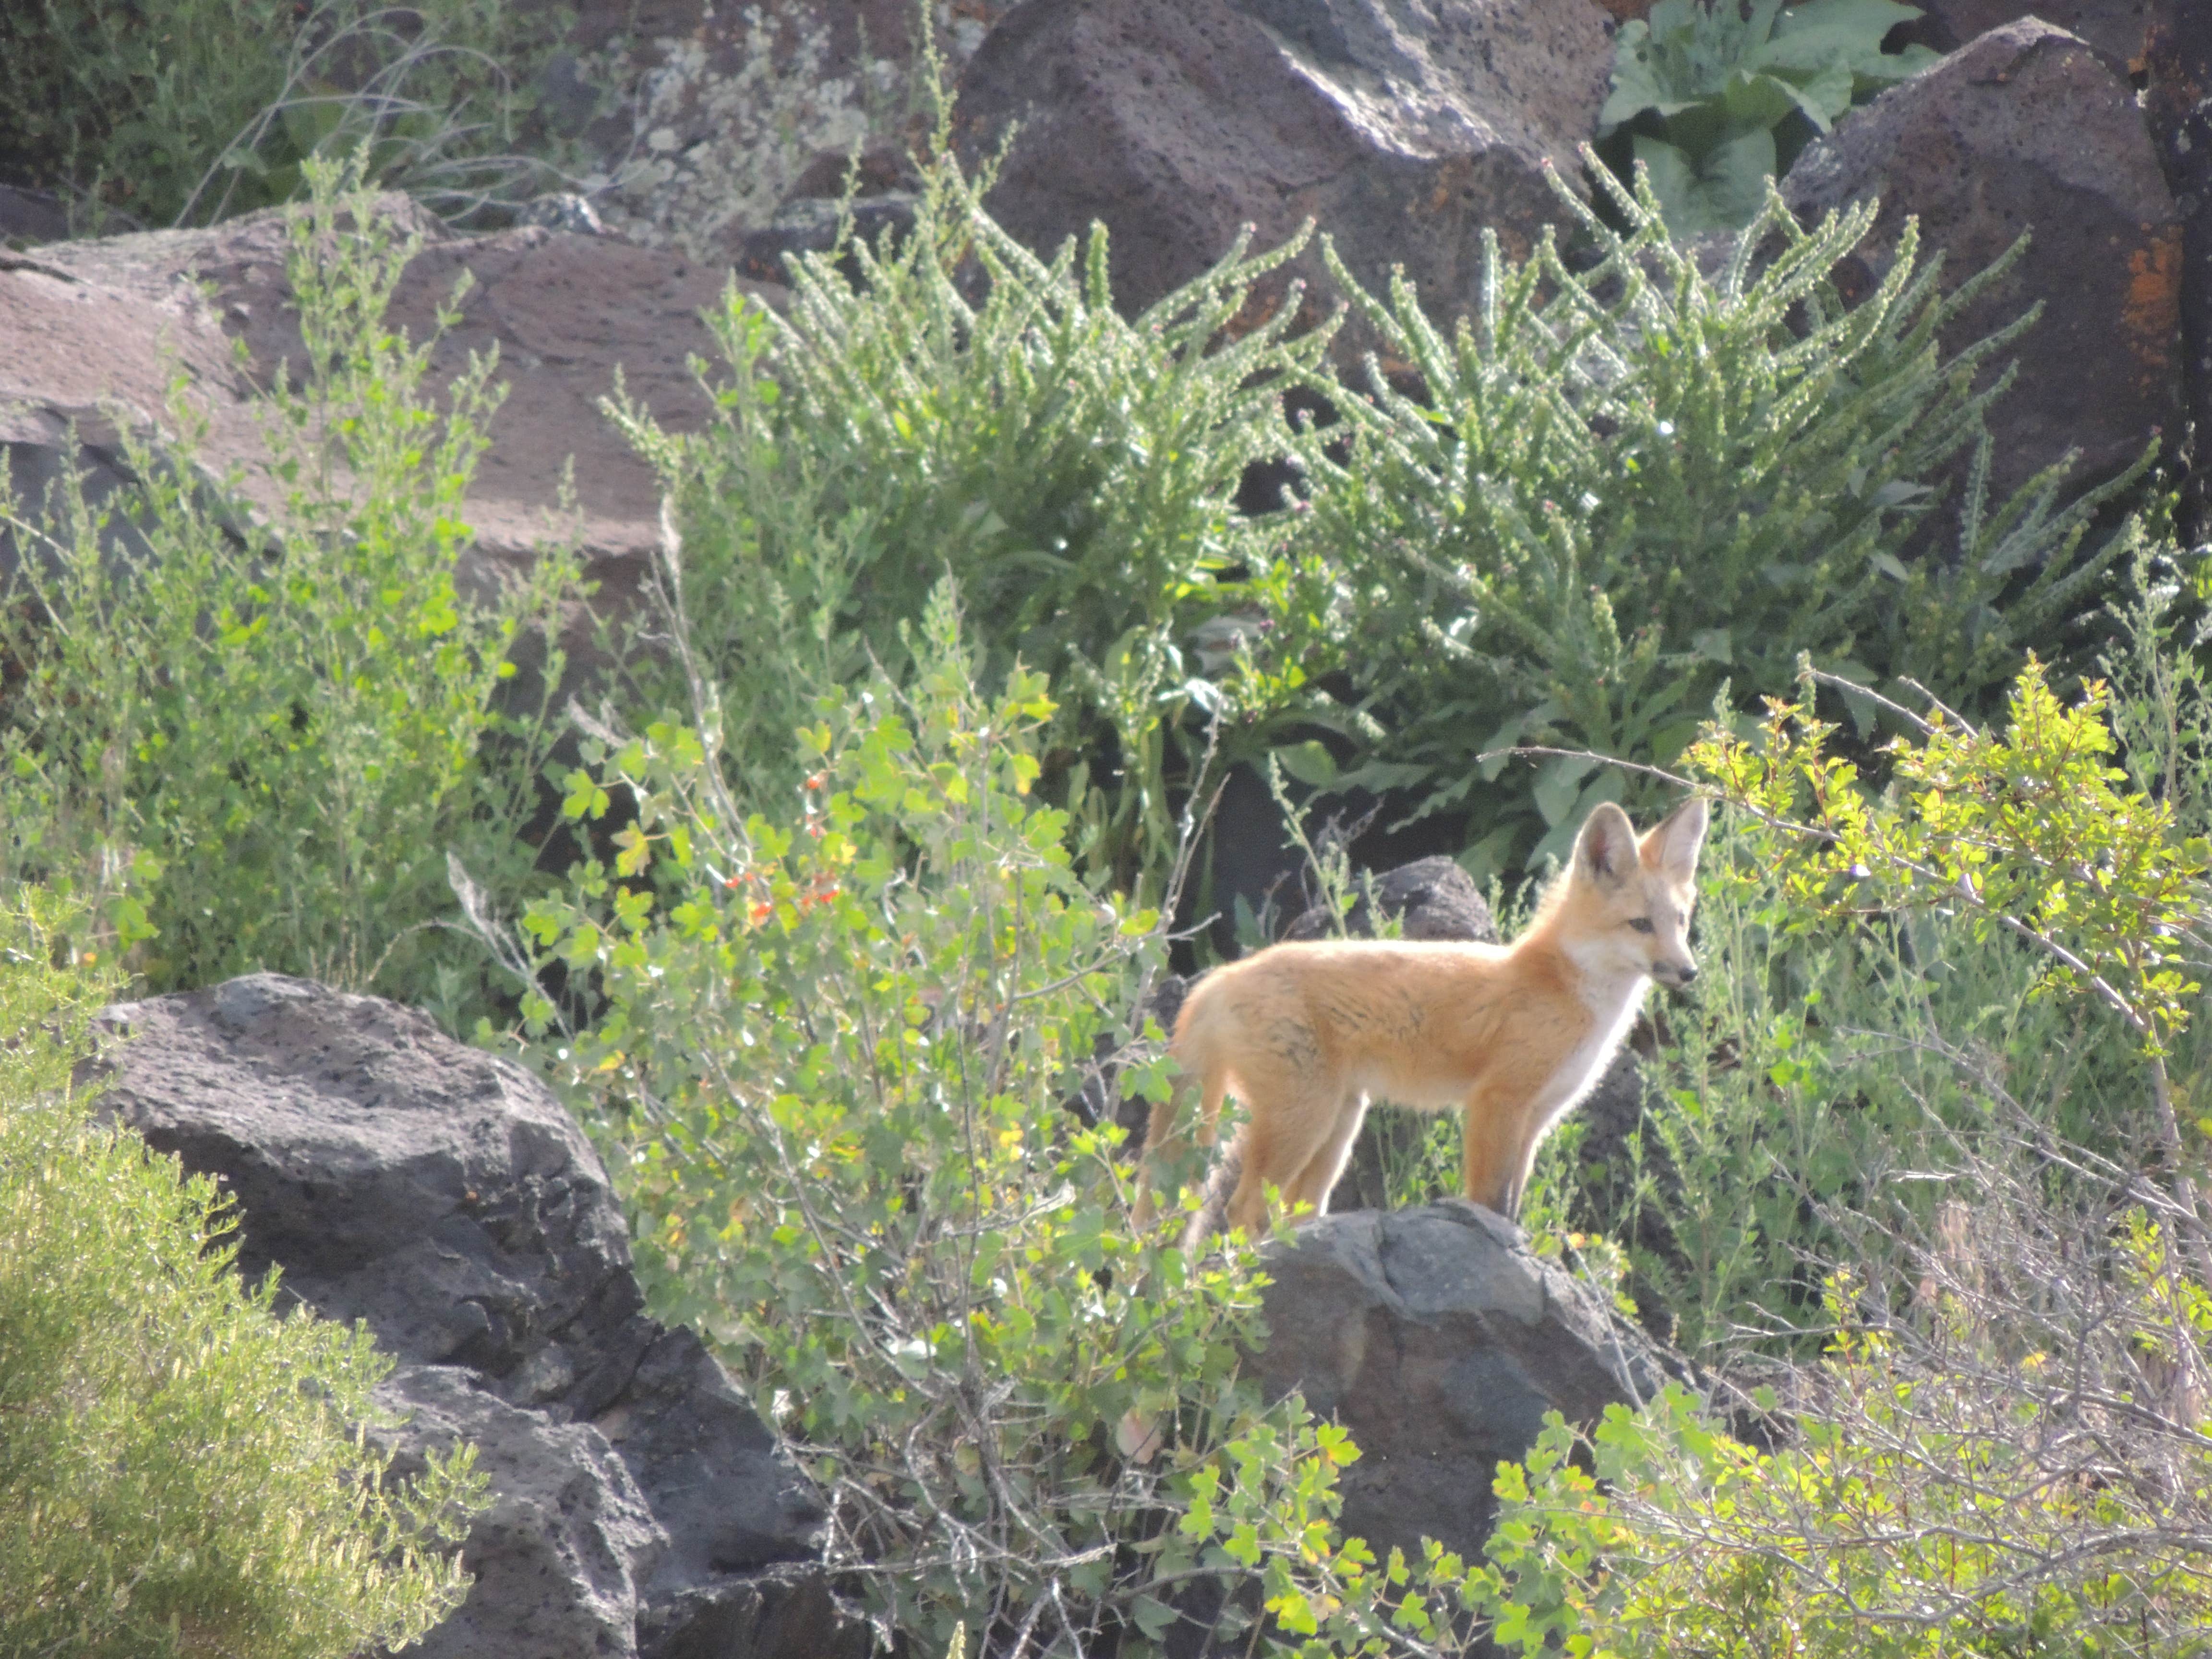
(444,1196)
(1440,1340)
(1405,129)
(2028,128)
(695,124)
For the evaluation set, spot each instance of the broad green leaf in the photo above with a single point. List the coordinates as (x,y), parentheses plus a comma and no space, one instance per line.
(1310,762)
(1724,191)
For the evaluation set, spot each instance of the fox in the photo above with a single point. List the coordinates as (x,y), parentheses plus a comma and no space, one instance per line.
(1513,1036)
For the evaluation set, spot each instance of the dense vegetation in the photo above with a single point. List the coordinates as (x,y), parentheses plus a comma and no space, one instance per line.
(182,114)
(873,854)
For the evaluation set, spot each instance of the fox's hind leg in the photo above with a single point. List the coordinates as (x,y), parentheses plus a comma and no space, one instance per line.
(1314,1183)
(1290,1131)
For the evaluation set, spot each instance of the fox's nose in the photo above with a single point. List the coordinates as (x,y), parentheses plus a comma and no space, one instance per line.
(1682,972)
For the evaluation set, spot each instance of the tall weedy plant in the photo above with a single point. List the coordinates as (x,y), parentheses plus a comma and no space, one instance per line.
(256,747)
(190,111)
(1629,485)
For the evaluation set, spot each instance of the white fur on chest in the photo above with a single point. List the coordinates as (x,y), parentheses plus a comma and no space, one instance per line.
(1613,1010)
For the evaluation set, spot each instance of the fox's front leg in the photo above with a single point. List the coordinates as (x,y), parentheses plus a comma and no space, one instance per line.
(1493,1154)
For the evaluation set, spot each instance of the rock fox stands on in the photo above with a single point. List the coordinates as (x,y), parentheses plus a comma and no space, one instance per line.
(1513,1036)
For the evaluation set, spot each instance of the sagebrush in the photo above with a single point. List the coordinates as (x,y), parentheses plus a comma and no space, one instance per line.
(181,1472)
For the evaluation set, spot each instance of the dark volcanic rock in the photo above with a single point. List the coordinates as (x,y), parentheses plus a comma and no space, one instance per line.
(1440,1340)
(1405,129)
(30,216)
(2029,129)
(2113,27)
(2178,105)
(1430,898)
(811,224)
(442,1194)
(560,1556)
(396,1176)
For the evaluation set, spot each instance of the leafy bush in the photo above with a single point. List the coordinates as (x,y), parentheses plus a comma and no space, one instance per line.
(186,112)
(1715,102)
(2001,1453)
(2154,663)
(955,406)
(180,1472)
(1813,1063)
(1819,1057)
(256,750)
(2023,834)
(1631,487)
(837,1072)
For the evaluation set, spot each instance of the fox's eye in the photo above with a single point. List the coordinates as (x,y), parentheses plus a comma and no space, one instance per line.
(1641,924)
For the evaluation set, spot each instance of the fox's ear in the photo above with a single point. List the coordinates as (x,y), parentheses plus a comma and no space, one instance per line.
(1606,850)
(1674,842)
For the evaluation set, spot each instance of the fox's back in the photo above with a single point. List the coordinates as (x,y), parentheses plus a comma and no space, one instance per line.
(1414,1022)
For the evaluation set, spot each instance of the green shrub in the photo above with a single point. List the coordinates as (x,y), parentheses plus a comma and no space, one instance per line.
(1632,487)
(955,405)
(2022,835)
(1715,102)
(2000,1453)
(179,1472)
(2160,682)
(190,111)
(2002,1450)
(1921,1513)
(279,734)
(1813,1062)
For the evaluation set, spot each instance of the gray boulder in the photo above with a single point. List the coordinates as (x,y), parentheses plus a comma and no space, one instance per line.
(2028,128)
(1405,129)
(569,1541)
(1440,1340)
(444,1196)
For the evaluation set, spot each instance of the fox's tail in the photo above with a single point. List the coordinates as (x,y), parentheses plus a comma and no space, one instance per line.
(1202,1071)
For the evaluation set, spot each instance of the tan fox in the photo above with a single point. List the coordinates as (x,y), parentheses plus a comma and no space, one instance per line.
(1514,1036)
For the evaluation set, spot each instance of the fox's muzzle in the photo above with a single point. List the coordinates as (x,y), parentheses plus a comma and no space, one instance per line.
(1674,973)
